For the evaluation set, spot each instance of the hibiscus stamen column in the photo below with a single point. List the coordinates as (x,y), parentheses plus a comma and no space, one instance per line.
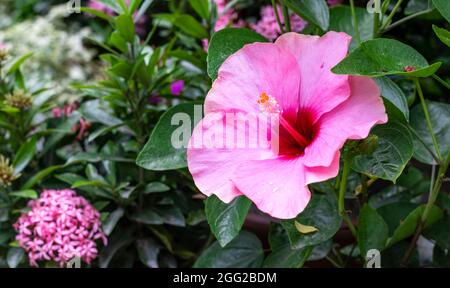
(269,104)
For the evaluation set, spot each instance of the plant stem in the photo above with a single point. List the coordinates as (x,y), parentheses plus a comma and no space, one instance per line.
(434,192)
(341,198)
(442,81)
(403,20)
(355,21)
(394,10)
(427,118)
(376,24)
(277,16)
(287,20)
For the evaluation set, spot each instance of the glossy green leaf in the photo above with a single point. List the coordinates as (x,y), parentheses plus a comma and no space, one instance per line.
(322,213)
(148,250)
(147,217)
(97,13)
(440,233)
(443,6)
(380,57)
(14,256)
(112,220)
(409,225)
(27,194)
(226,220)
(443,35)
(245,251)
(341,21)
(372,230)
(393,93)
(224,43)
(24,155)
(159,153)
(125,25)
(202,7)
(440,120)
(156,187)
(395,149)
(314,11)
(190,26)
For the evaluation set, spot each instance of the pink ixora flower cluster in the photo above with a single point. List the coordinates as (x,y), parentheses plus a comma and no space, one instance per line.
(59,226)
(316,110)
(268,25)
(140,24)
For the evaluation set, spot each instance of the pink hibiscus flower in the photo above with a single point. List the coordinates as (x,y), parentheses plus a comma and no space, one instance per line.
(317,109)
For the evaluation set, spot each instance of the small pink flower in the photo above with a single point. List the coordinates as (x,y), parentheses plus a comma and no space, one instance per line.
(53,219)
(268,25)
(177,87)
(332,3)
(317,111)
(82,127)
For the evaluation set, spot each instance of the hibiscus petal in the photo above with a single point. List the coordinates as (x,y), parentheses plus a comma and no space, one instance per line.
(322,173)
(276,186)
(212,160)
(254,69)
(321,90)
(353,119)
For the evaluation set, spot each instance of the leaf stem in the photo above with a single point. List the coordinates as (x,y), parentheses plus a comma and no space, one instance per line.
(341,198)
(393,12)
(376,24)
(287,20)
(355,21)
(277,16)
(427,118)
(403,20)
(442,81)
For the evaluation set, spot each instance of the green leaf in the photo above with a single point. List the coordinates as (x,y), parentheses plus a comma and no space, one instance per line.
(112,220)
(341,21)
(226,220)
(39,176)
(147,217)
(24,155)
(27,194)
(245,251)
(190,26)
(443,6)
(118,240)
(159,153)
(156,187)
(134,5)
(440,233)
(322,213)
(395,213)
(97,13)
(202,7)
(393,93)
(443,35)
(395,149)
(171,216)
(125,25)
(148,250)
(409,225)
(282,255)
(14,256)
(224,43)
(380,57)
(440,121)
(314,11)
(372,230)
(15,66)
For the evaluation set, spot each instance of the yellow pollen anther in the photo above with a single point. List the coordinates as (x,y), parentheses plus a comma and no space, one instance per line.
(268,104)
